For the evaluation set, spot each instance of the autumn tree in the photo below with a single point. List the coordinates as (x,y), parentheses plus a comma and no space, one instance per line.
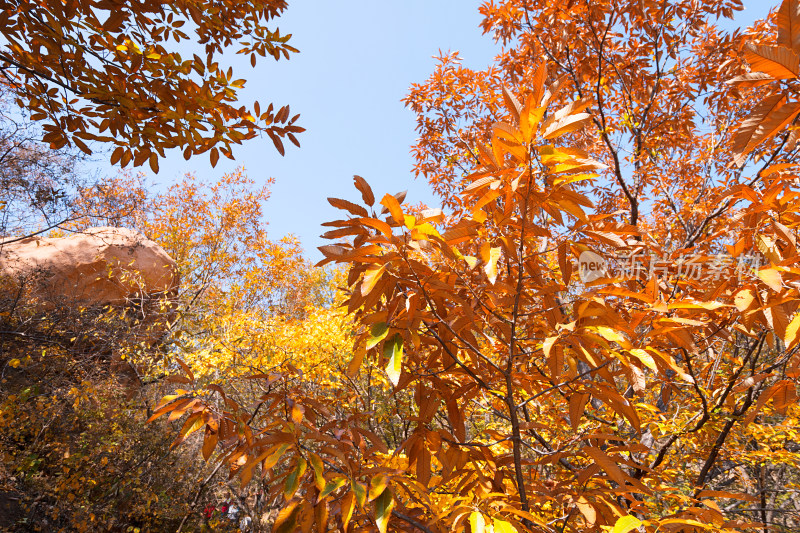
(115,73)
(600,333)
(79,381)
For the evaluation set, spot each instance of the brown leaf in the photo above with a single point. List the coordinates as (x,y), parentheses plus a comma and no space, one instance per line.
(209,443)
(365,189)
(355,209)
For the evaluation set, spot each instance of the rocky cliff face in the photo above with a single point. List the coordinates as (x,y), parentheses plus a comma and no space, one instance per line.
(101,291)
(99,266)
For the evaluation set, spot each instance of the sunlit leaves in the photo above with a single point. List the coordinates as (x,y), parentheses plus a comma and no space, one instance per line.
(93,82)
(393,351)
(626,524)
(485,383)
(477,522)
(777,61)
(769,62)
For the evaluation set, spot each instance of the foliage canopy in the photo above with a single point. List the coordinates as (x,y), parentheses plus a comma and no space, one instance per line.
(598,331)
(115,72)
(524,396)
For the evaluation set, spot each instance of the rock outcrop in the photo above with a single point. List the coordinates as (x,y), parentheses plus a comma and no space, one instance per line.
(98,266)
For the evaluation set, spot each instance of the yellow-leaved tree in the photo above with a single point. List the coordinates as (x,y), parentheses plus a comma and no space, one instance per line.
(600,333)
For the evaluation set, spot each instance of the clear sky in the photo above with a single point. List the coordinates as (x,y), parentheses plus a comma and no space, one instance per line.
(356,61)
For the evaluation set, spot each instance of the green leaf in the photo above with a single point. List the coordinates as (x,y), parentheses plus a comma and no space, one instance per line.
(293,479)
(360,492)
(331,486)
(316,463)
(272,459)
(393,350)
(377,485)
(383,509)
(377,333)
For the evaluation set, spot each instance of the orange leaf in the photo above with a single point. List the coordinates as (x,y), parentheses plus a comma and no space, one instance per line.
(771,277)
(371,277)
(610,467)
(788,19)
(577,405)
(512,104)
(751,79)
(778,61)
(391,203)
(761,127)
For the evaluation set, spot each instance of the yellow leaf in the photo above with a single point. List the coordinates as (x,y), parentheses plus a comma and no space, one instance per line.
(491,263)
(331,486)
(394,351)
(790,338)
(646,359)
(377,333)
(626,523)
(477,523)
(316,464)
(501,526)
(427,229)
(348,505)
(547,345)
(743,299)
(377,485)
(771,277)
(612,335)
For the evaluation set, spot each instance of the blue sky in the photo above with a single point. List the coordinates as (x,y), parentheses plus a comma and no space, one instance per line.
(356,61)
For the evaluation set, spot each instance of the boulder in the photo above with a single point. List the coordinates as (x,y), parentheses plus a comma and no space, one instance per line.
(98,266)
